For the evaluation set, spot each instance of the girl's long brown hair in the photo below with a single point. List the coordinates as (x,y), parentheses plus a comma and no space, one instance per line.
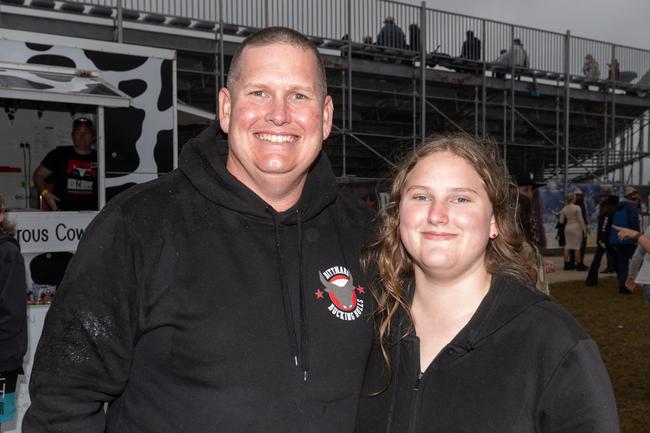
(390,265)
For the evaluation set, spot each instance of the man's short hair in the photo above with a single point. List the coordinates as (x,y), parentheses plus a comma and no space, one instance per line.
(277,35)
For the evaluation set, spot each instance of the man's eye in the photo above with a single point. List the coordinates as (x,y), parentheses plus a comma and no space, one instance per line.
(299,96)
(257,93)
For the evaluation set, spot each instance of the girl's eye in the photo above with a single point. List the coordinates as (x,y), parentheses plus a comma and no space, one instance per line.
(420,197)
(461,200)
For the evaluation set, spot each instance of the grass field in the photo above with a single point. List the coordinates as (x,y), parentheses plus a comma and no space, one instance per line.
(620,324)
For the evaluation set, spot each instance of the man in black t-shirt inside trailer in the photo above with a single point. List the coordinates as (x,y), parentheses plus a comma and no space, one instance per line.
(72,170)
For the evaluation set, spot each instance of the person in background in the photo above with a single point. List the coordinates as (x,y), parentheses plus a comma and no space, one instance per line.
(626,215)
(531,224)
(605,213)
(13,315)
(574,231)
(227,295)
(464,341)
(519,54)
(72,170)
(391,35)
(580,202)
(501,64)
(614,70)
(414,37)
(471,48)
(639,272)
(591,70)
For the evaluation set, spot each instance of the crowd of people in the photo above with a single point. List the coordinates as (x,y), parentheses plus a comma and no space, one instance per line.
(246,292)
(514,57)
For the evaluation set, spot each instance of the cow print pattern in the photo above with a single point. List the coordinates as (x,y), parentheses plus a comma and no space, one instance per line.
(130,132)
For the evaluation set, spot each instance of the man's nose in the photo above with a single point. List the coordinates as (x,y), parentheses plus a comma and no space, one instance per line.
(278,112)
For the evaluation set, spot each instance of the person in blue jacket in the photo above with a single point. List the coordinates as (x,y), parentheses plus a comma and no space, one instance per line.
(626,215)
(464,343)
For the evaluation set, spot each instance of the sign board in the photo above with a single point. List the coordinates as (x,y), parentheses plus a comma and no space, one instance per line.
(39,232)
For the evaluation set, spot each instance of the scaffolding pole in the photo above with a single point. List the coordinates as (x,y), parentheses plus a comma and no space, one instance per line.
(567,106)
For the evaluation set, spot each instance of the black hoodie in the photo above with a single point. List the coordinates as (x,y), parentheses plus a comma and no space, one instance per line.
(521,365)
(13,306)
(192,306)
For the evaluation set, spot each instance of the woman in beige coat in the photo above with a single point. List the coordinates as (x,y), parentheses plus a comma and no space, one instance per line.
(574,230)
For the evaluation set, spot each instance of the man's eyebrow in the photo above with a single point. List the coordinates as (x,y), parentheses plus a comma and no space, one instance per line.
(264,85)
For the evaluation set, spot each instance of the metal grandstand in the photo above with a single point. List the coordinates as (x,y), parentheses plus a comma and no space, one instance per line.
(548,115)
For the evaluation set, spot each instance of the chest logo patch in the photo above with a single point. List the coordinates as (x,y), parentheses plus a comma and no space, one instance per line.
(345,303)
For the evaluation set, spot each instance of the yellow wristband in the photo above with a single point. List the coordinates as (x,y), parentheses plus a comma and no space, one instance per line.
(44,192)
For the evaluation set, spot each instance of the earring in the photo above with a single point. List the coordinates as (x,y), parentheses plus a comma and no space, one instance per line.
(493,236)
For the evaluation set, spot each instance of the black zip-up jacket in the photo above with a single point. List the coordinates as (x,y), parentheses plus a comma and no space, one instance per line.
(192,306)
(521,365)
(13,306)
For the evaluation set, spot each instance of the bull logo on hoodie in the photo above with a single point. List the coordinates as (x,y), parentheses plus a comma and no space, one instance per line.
(339,285)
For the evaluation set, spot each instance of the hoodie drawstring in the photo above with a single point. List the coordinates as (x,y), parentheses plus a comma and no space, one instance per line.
(286,299)
(304,328)
(299,349)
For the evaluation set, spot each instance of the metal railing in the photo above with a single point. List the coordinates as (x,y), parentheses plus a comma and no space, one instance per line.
(445,33)
(442,40)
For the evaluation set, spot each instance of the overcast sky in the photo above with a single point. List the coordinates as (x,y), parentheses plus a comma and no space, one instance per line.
(625,22)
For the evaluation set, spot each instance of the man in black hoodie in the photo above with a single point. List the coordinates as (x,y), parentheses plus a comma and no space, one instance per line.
(225,296)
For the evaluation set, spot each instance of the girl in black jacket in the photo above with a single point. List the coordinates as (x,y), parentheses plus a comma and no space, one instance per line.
(465,343)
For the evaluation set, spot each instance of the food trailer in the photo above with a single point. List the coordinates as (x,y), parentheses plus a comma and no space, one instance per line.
(45,82)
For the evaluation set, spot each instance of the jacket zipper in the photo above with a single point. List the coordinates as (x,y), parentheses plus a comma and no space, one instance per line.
(416,402)
(417,395)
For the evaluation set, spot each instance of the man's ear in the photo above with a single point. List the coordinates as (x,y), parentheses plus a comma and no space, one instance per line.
(224,109)
(328,114)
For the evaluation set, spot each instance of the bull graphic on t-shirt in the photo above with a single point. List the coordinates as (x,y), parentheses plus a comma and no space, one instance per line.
(342,294)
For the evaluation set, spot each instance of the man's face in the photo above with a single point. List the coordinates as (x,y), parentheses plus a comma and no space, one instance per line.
(82,138)
(275,116)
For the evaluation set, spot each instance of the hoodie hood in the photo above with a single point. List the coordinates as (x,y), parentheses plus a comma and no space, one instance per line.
(203,162)
(504,302)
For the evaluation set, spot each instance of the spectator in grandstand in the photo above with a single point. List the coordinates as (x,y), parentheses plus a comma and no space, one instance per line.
(414,37)
(516,56)
(501,64)
(519,54)
(471,49)
(391,35)
(591,70)
(614,70)
(464,342)
(574,231)
(626,215)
